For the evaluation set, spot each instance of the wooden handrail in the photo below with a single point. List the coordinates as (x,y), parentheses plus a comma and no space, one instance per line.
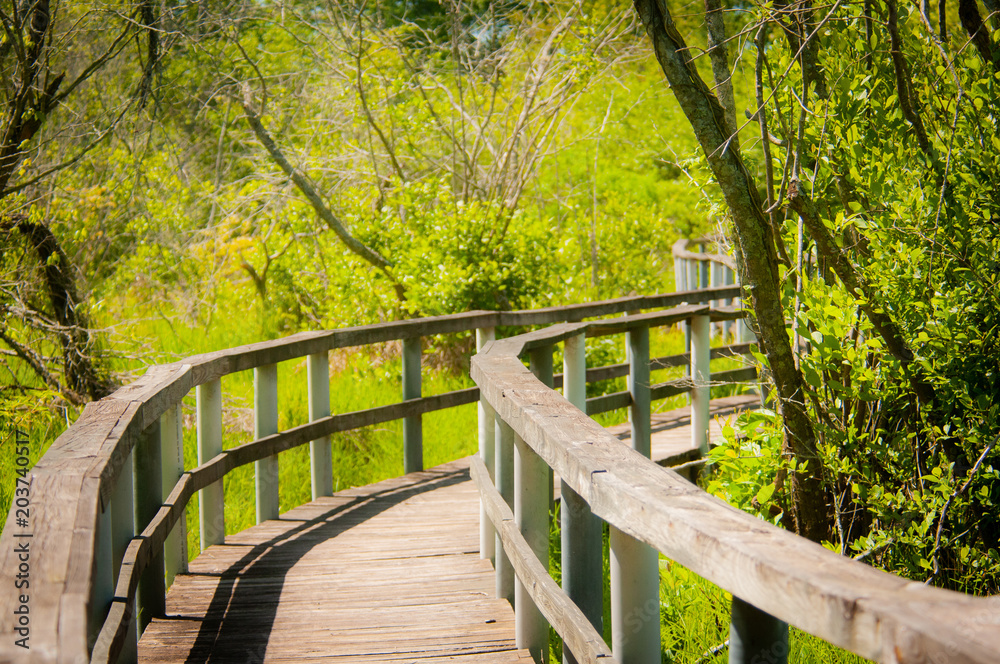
(74,484)
(872,613)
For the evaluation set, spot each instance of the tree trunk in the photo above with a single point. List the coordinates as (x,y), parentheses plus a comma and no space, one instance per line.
(757,259)
(82,375)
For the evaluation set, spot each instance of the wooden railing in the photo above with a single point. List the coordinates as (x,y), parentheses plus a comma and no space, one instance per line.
(107,527)
(775,577)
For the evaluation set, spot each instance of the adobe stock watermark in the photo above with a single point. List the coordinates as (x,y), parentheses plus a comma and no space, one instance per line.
(22,538)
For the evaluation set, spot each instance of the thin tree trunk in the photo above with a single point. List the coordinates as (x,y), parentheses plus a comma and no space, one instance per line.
(757,260)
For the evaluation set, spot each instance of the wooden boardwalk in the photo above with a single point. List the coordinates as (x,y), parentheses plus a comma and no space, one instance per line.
(389,572)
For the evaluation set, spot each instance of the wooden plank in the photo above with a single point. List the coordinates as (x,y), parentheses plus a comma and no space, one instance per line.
(871,613)
(568,620)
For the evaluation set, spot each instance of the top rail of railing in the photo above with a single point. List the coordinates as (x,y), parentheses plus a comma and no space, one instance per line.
(74,486)
(869,612)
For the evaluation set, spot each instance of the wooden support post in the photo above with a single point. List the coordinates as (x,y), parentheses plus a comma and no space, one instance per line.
(692,284)
(413,432)
(540,361)
(635,600)
(582,540)
(504,469)
(635,571)
(638,386)
(102,587)
(729,279)
(211,503)
(172,466)
(487,437)
(148,498)
(701,375)
(755,636)
(320,452)
(122,532)
(265,423)
(531,514)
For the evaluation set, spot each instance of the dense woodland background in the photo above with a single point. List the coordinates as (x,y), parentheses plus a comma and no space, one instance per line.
(176,178)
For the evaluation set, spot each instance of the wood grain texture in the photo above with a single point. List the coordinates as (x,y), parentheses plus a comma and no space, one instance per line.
(872,613)
(384,573)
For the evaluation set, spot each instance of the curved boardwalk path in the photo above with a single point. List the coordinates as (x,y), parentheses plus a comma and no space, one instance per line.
(388,572)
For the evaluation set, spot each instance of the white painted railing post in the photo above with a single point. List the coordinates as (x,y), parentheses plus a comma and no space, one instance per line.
(701,375)
(122,532)
(265,423)
(504,469)
(172,467)
(581,536)
(320,452)
(635,572)
(147,456)
(413,433)
(531,514)
(487,438)
(211,502)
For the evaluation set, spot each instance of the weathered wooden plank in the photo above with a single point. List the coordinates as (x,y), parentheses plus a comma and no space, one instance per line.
(874,614)
(384,573)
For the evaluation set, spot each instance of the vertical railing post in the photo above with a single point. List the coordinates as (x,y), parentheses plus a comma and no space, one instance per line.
(635,572)
(265,423)
(320,452)
(122,532)
(637,339)
(582,541)
(146,457)
(102,587)
(487,438)
(755,636)
(504,469)
(211,502)
(701,376)
(540,361)
(413,433)
(729,279)
(531,514)
(172,467)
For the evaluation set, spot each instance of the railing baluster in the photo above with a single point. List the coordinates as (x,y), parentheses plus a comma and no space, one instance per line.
(413,433)
(151,597)
(504,469)
(638,386)
(172,467)
(635,571)
(320,452)
(265,423)
(755,636)
(582,542)
(487,441)
(540,362)
(122,532)
(211,502)
(531,513)
(102,587)
(701,375)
